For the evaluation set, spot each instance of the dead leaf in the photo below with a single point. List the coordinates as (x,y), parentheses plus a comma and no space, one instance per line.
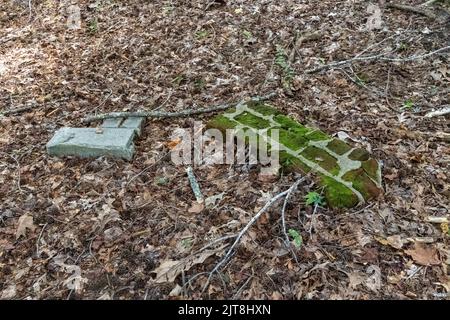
(373,282)
(396,241)
(170,269)
(175,291)
(25,222)
(210,202)
(355,279)
(173,143)
(196,207)
(424,255)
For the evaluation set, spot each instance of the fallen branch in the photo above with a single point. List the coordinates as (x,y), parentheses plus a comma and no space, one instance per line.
(31,106)
(164,114)
(19,110)
(378,57)
(245,229)
(420,11)
(440,112)
(194,185)
(429,3)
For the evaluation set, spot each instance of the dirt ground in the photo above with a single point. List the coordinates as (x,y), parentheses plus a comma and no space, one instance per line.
(103,228)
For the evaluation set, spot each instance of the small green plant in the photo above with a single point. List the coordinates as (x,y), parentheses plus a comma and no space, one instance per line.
(281,60)
(186,243)
(403,46)
(199,84)
(93,26)
(408,104)
(247,34)
(298,240)
(201,34)
(168,9)
(178,79)
(362,79)
(162,181)
(313,198)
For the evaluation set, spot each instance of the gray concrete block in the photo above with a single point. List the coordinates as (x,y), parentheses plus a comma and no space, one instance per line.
(86,142)
(112,122)
(135,123)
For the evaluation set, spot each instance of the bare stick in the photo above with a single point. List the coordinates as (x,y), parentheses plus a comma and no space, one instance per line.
(428,3)
(440,112)
(194,185)
(241,234)
(378,57)
(403,7)
(29,107)
(163,114)
(18,169)
(38,254)
(283,218)
(30,9)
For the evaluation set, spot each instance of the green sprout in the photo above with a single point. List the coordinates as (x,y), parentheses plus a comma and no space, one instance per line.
(298,240)
(408,104)
(201,34)
(313,198)
(247,34)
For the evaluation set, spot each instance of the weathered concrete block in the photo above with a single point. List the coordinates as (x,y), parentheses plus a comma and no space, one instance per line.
(87,142)
(135,123)
(112,122)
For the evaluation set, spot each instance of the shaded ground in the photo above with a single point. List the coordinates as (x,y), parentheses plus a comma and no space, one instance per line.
(99,230)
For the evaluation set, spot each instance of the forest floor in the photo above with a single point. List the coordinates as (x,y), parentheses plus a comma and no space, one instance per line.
(104,228)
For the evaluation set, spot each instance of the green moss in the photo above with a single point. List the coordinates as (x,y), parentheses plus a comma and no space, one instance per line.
(371,168)
(338,146)
(252,121)
(290,163)
(317,135)
(361,182)
(291,125)
(322,158)
(262,108)
(359,154)
(338,195)
(291,140)
(222,123)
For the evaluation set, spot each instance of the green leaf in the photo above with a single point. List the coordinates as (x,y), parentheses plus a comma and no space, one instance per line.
(247,34)
(408,104)
(298,240)
(201,34)
(313,198)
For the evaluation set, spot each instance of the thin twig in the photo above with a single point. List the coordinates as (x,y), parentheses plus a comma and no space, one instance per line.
(18,169)
(378,57)
(441,112)
(238,293)
(39,239)
(241,234)
(283,216)
(403,7)
(165,101)
(163,114)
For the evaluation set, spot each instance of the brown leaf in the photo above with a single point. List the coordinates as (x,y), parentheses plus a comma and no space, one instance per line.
(25,222)
(196,207)
(424,255)
(170,269)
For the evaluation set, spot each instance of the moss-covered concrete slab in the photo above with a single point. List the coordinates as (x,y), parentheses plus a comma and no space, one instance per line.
(349,175)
